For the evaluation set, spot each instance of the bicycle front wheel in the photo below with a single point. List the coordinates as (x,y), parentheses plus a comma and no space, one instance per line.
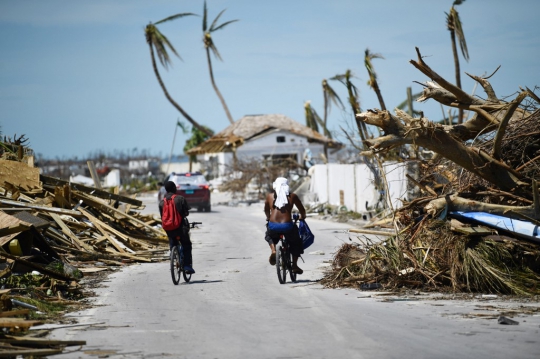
(176,267)
(281,265)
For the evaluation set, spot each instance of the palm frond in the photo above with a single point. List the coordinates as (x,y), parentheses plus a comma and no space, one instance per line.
(174,17)
(160,43)
(331,96)
(369,65)
(216,20)
(215,51)
(312,119)
(352,90)
(205,16)
(184,126)
(461,37)
(223,25)
(453,23)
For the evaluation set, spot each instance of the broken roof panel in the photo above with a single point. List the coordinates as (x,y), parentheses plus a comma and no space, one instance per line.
(252,125)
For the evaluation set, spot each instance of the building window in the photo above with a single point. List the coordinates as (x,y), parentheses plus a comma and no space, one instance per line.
(280,139)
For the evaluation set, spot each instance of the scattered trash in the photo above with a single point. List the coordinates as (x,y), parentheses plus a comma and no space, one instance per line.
(406,271)
(23,304)
(317,253)
(369,286)
(506,321)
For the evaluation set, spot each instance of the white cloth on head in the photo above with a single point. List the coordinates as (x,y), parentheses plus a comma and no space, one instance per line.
(281,186)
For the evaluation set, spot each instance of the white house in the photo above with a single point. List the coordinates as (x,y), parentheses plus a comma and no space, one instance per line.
(265,138)
(178,164)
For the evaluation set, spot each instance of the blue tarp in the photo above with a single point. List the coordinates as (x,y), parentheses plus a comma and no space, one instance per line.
(521,228)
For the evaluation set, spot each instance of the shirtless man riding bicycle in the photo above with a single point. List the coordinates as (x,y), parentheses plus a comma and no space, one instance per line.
(278,209)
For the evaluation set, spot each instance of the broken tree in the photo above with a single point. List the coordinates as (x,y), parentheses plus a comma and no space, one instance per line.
(487,164)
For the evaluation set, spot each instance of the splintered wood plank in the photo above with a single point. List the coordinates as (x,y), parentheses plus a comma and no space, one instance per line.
(18,323)
(41,341)
(125,238)
(129,256)
(13,313)
(104,207)
(52,181)
(40,208)
(12,353)
(19,174)
(9,225)
(21,227)
(65,229)
(96,222)
(473,231)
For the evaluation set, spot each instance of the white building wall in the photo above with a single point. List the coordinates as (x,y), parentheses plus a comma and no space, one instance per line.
(356,182)
(138,165)
(267,144)
(178,167)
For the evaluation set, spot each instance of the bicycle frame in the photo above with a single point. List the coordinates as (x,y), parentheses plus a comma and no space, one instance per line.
(284,260)
(177,261)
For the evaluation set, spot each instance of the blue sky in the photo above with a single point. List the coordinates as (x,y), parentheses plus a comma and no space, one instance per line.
(76,76)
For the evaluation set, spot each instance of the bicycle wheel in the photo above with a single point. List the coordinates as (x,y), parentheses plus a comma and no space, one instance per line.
(187,276)
(175,265)
(289,266)
(281,265)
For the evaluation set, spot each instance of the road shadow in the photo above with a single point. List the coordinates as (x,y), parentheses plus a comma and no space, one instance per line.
(306,281)
(203,281)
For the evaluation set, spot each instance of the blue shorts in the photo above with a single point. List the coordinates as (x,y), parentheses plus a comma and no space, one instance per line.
(291,232)
(281,227)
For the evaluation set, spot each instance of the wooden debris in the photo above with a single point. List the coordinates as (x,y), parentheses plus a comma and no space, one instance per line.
(52,233)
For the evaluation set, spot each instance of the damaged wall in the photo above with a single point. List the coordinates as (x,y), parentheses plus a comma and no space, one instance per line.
(352,185)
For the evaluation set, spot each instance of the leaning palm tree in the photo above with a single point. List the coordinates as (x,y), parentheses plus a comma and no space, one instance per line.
(312,118)
(210,46)
(330,96)
(159,43)
(372,82)
(352,91)
(453,24)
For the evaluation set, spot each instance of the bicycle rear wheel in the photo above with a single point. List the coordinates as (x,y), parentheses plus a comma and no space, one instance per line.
(289,266)
(281,265)
(187,276)
(176,267)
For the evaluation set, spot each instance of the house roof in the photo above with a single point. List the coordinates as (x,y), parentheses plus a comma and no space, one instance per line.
(252,125)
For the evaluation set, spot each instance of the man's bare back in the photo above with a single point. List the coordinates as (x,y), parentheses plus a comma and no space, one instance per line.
(283,214)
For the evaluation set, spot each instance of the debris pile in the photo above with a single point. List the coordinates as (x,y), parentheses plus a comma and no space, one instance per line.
(474,228)
(54,235)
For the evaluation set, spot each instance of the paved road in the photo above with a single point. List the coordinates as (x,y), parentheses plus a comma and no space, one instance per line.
(235,308)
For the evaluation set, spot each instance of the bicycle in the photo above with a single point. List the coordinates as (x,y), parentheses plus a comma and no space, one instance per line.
(177,261)
(284,258)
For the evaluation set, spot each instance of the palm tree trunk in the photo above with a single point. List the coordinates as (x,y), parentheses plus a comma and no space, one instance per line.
(325,145)
(177,106)
(379,95)
(456,66)
(215,87)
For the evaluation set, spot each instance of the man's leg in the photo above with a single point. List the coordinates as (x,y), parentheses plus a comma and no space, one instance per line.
(268,238)
(172,240)
(297,249)
(186,245)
